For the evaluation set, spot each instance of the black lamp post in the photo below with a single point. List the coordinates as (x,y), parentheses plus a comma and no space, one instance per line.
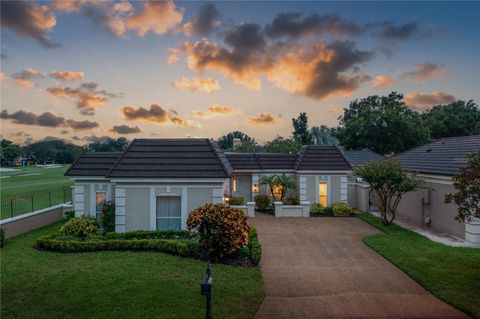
(206,289)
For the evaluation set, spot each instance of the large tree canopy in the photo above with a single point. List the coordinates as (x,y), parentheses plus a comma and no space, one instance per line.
(109,145)
(247,143)
(9,152)
(282,145)
(455,119)
(56,151)
(300,133)
(383,124)
(322,135)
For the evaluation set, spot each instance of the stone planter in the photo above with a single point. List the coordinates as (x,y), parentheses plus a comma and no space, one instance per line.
(302,210)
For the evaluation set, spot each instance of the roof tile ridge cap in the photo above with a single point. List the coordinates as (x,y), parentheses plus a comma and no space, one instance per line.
(210,143)
(75,162)
(258,161)
(120,157)
(300,155)
(343,156)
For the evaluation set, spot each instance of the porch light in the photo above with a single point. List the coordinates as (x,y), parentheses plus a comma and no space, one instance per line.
(226,199)
(255,188)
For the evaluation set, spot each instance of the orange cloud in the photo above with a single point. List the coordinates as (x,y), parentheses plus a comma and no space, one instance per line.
(156,114)
(421,101)
(426,70)
(216,109)
(207,85)
(264,118)
(23,78)
(67,75)
(382,81)
(157,17)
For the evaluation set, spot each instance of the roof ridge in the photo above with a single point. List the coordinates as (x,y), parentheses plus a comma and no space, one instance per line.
(258,160)
(74,162)
(227,171)
(343,156)
(120,157)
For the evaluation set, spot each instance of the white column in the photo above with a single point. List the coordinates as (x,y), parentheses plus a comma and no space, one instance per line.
(79,200)
(255,181)
(343,189)
(302,187)
(120,210)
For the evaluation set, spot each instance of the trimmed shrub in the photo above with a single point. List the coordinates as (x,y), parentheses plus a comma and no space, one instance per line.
(223,230)
(236,200)
(81,227)
(68,215)
(327,211)
(262,201)
(153,234)
(316,209)
(108,217)
(341,209)
(2,237)
(294,200)
(184,248)
(254,248)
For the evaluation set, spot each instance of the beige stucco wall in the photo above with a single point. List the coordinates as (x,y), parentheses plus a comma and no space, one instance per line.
(198,197)
(335,182)
(137,205)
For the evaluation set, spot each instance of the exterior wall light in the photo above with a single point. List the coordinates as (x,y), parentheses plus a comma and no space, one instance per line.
(255,188)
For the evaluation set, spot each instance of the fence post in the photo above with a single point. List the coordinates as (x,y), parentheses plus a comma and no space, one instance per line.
(64,196)
(11,207)
(32,203)
(49,199)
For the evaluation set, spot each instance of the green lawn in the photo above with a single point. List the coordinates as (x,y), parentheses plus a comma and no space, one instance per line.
(17,189)
(450,273)
(41,284)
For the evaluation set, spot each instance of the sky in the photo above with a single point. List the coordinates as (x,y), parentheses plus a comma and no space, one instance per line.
(82,70)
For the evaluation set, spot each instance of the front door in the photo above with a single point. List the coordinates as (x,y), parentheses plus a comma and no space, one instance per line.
(169,215)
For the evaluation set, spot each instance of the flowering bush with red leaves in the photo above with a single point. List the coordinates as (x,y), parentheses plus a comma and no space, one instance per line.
(223,230)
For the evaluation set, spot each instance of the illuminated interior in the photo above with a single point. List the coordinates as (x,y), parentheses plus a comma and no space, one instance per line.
(322,193)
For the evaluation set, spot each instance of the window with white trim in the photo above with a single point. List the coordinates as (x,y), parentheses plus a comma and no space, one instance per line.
(100,199)
(168,213)
(322,193)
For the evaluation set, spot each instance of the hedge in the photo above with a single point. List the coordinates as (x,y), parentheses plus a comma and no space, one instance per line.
(153,234)
(183,247)
(254,247)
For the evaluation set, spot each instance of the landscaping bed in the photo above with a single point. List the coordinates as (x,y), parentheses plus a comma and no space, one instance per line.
(118,284)
(450,273)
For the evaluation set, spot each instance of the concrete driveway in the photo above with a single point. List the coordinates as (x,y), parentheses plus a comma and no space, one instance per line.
(320,268)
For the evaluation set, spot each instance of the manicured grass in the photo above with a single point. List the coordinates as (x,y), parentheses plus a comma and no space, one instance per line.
(450,273)
(32,188)
(42,284)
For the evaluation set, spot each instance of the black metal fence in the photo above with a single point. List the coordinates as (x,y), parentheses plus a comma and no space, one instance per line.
(19,204)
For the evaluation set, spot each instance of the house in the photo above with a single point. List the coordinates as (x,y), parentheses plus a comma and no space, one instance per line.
(435,164)
(358,158)
(155,183)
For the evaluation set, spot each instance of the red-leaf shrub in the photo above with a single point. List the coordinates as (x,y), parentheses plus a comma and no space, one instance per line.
(223,229)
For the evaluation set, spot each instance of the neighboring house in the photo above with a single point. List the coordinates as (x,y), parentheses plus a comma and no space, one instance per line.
(435,164)
(358,158)
(156,183)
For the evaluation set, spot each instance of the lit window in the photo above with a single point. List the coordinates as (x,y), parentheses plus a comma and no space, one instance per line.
(99,201)
(322,193)
(234,186)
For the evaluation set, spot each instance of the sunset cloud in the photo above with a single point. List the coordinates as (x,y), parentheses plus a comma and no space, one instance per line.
(264,118)
(125,129)
(87,97)
(23,78)
(422,101)
(382,81)
(81,125)
(217,109)
(67,75)
(206,85)
(205,21)
(28,118)
(426,70)
(155,113)
(314,70)
(296,24)
(29,19)
(157,17)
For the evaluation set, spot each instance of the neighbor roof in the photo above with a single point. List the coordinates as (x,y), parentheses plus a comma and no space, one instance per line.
(361,157)
(172,158)
(443,157)
(93,164)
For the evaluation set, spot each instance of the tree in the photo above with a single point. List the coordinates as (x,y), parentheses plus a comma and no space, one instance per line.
(52,151)
(383,124)
(390,182)
(270,181)
(467,185)
(282,145)
(286,183)
(109,145)
(455,119)
(9,152)
(322,135)
(301,134)
(248,143)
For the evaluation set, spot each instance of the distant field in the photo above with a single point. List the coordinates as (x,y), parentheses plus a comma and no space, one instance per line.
(17,187)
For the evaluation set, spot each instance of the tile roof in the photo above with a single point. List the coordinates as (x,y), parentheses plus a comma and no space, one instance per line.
(321,157)
(261,161)
(361,157)
(171,158)
(443,157)
(93,164)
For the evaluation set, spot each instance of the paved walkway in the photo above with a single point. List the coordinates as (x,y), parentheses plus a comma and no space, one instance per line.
(320,268)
